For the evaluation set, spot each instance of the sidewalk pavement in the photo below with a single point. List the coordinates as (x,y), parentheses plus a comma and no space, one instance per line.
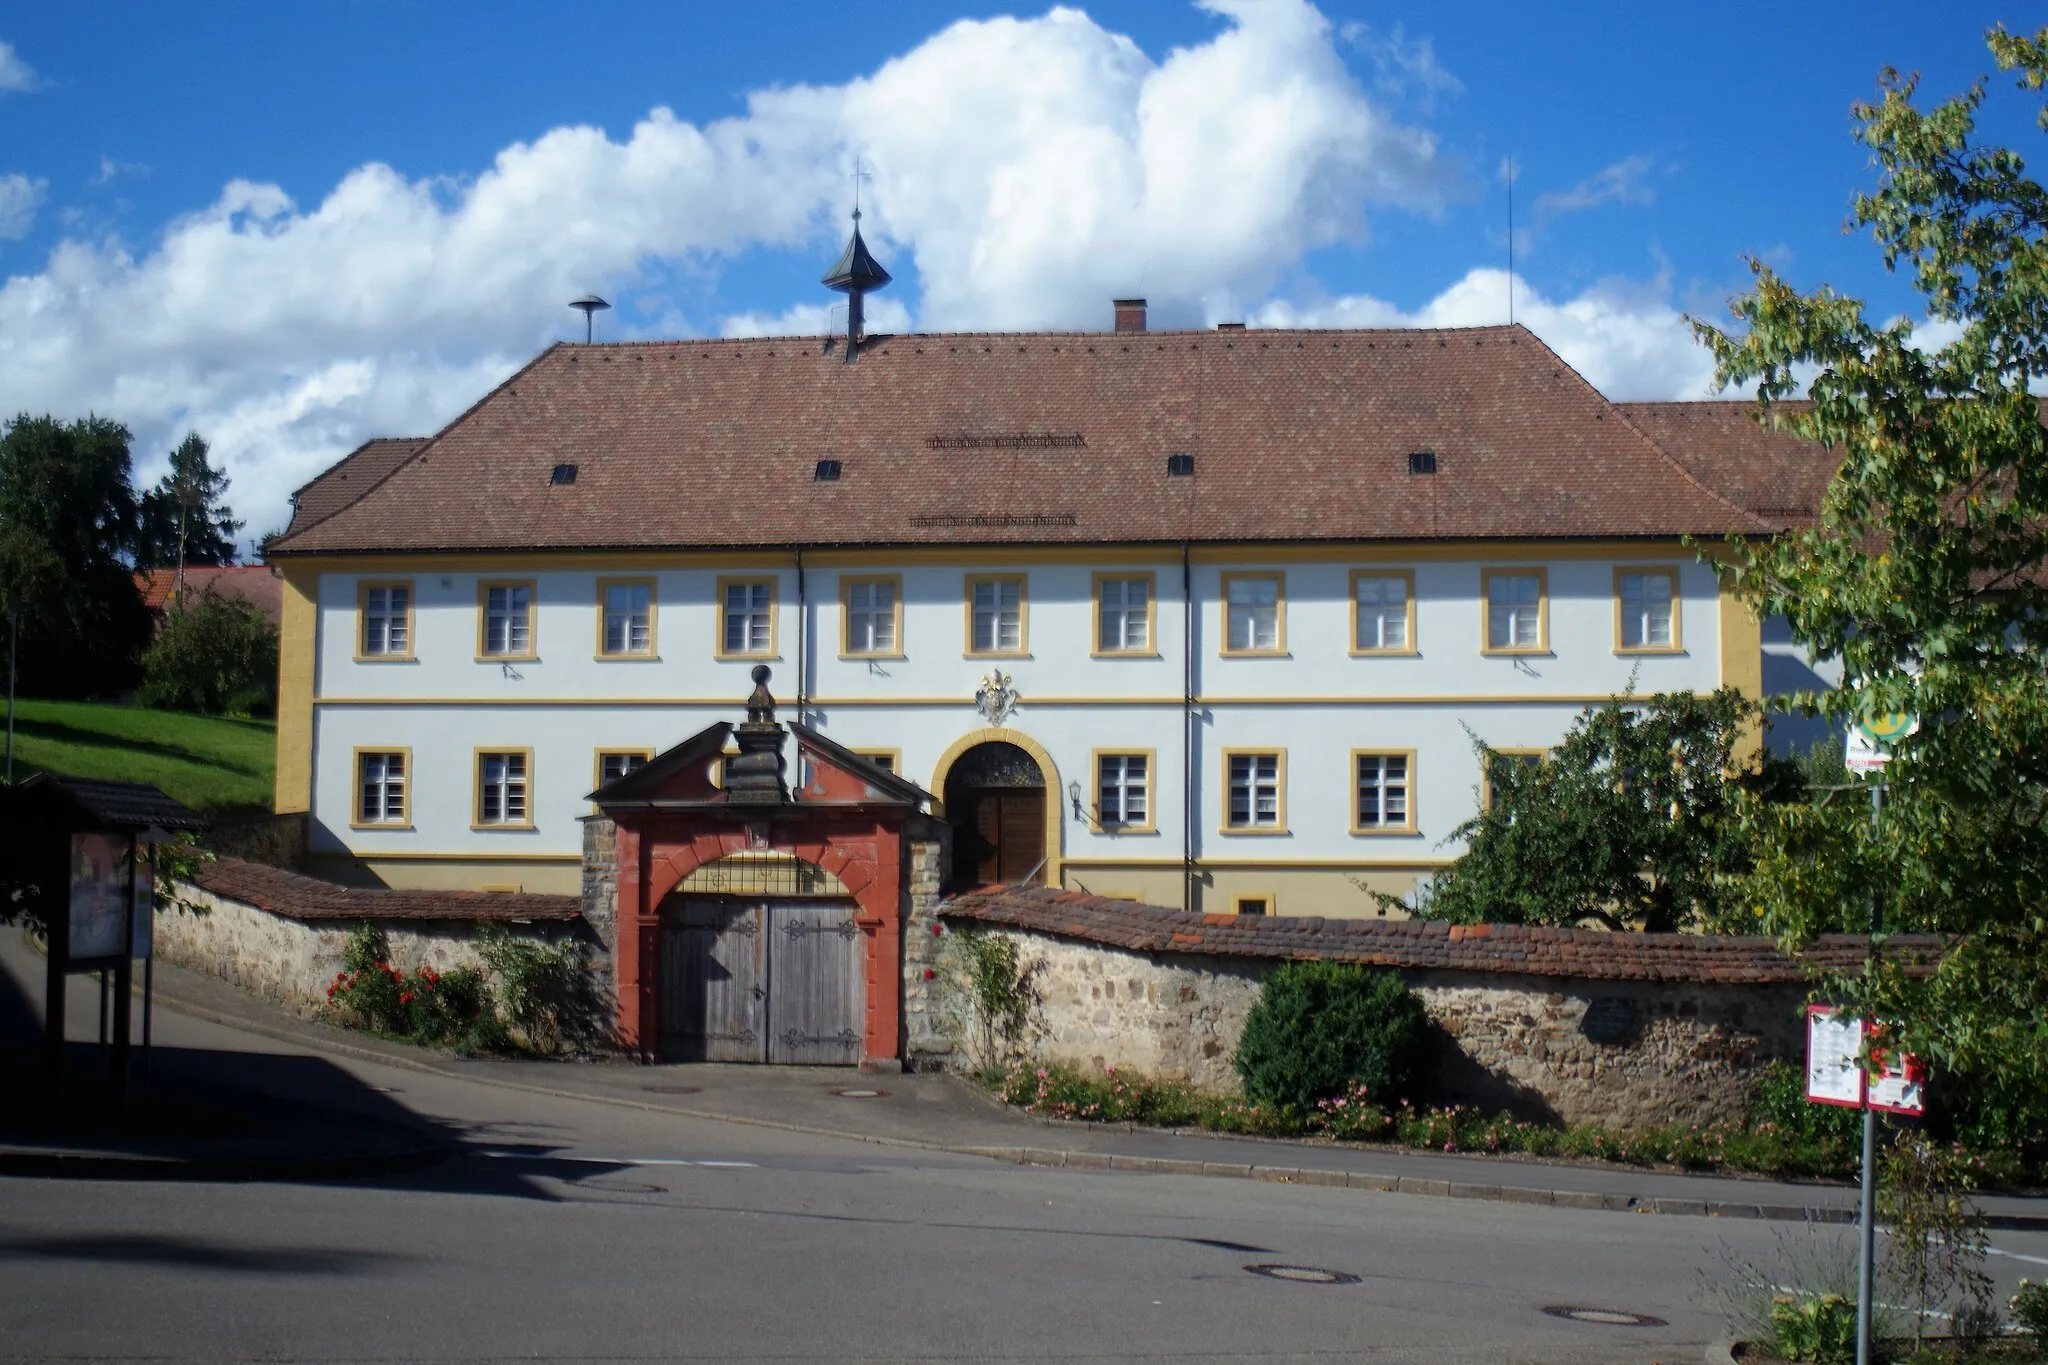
(943,1113)
(190,1114)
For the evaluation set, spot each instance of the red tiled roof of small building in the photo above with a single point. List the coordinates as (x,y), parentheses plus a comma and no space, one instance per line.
(1416,944)
(305,898)
(1033,438)
(252,583)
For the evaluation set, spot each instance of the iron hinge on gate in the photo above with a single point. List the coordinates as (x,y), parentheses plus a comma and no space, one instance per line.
(846,928)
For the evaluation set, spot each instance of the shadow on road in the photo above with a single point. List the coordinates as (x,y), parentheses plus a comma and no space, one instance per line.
(142,1249)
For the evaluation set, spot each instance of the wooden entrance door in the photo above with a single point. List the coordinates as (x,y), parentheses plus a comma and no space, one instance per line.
(1007,825)
(761,981)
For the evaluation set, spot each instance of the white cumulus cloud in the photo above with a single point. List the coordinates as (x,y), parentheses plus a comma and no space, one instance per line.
(1625,337)
(16,76)
(1029,169)
(20,197)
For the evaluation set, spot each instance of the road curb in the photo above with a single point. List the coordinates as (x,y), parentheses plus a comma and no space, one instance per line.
(1078,1160)
(1450,1189)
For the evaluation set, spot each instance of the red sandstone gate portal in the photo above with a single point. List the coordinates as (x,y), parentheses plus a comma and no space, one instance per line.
(710,873)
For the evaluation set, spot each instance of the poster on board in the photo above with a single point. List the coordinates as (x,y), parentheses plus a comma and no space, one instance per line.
(1833,1075)
(102,891)
(1896,1089)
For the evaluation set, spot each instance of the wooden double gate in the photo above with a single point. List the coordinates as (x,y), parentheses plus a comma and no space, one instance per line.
(752,980)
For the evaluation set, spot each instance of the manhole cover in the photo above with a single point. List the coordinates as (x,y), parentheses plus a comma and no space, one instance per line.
(1606,1317)
(1303,1274)
(671,1089)
(860,1094)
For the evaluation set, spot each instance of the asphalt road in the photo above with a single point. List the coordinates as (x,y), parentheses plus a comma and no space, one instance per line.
(576,1230)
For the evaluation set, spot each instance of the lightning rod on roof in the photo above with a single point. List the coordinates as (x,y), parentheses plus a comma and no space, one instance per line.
(1511,239)
(588,304)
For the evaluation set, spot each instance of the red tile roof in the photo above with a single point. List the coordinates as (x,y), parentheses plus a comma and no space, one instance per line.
(252,583)
(1770,471)
(1032,438)
(1416,944)
(350,478)
(296,897)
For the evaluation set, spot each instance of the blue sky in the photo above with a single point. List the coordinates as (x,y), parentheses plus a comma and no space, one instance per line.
(296,226)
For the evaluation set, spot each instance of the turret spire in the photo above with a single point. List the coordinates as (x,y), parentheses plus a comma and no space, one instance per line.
(854,274)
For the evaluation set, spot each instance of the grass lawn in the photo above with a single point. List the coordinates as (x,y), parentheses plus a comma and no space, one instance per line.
(210,763)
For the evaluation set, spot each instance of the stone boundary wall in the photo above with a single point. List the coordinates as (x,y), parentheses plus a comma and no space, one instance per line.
(274,840)
(282,936)
(1586,1037)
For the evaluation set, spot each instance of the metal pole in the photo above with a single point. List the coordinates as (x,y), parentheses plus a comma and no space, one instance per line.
(1866,1214)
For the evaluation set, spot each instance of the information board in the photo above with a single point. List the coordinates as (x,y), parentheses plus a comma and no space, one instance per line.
(1834,1075)
(102,890)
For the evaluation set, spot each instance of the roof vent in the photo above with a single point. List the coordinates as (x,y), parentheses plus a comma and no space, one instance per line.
(1422,462)
(826,472)
(1180,466)
(563,473)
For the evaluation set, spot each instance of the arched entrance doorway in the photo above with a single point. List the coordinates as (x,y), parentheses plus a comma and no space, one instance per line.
(995,800)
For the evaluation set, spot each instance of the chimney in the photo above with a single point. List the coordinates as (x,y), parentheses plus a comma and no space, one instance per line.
(1130,315)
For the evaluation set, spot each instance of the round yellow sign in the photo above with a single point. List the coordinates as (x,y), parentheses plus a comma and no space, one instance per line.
(1889,729)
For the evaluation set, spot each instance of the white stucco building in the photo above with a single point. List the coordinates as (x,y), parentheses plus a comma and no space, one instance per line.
(1208,618)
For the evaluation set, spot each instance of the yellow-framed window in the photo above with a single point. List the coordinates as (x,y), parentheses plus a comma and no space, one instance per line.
(1123,791)
(1526,756)
(1254,791)
(1255,612)
(871,617)
(1383,793)
(612,764)
(504,788)
(383,787)
(504,611)
(384,621)
(625,618)
(1252,905)
(1125,613)
(1646,617)
(746,618)
(888,760)
(1517,606)
(1383,611)
(997,614)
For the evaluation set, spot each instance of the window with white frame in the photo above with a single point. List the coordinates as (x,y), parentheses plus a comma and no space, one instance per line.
(1514,611)
(380,788)
(998,616)
(387,620)
(508,619)
(1382,791)
(501,788)
(871,616)
(1646,609)
(628,618)
(1124,616)
(1254,613)
(749,617)
(1382,622)
(1122,790)
(615,764)
(1254,791)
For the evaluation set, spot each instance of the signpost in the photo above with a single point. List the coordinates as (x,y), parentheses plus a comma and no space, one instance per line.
(1867,749)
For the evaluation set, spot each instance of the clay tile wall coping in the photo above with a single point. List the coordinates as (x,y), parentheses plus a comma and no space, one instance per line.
(305,898)
(1421,944)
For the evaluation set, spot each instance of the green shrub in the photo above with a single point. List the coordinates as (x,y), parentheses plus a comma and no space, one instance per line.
(2030,1308)
(1321,1029)
(1816,1327)
(424,1006)
(542,987)
(216,655)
